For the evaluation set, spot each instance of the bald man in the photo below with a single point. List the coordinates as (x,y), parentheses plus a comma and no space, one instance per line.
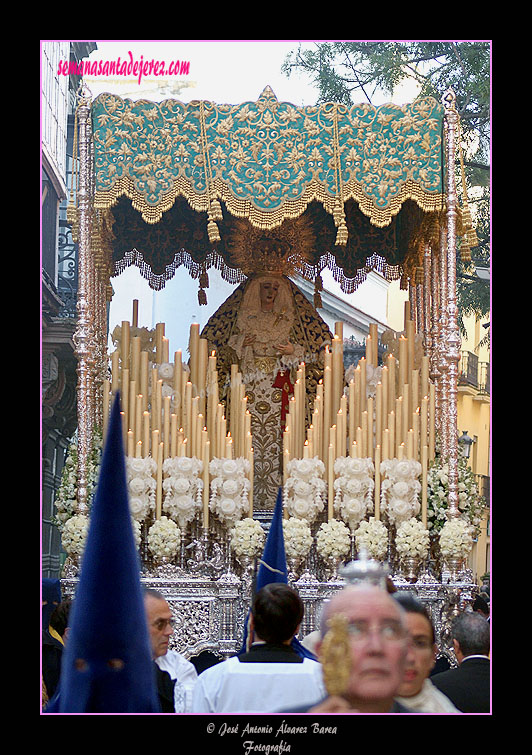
(378,646)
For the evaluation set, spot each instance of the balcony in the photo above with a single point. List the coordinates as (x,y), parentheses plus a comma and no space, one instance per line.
(473,376)
(483,485)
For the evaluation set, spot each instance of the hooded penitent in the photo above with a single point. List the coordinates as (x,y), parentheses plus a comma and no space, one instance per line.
(107,665)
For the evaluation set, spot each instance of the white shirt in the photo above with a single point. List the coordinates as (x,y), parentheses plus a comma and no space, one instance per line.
(184,673)
(429,700)
(235,687)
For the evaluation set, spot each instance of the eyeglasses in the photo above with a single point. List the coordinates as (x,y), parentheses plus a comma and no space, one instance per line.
(161,624)
(361,631)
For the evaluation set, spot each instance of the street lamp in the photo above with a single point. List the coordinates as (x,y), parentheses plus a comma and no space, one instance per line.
(465,444)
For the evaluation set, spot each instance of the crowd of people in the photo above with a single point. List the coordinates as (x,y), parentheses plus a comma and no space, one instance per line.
(387,658)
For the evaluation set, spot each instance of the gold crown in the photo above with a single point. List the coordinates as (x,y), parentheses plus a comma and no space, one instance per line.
(280,251)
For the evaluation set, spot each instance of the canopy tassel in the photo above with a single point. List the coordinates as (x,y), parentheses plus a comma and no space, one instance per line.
(204,283)
(339,210)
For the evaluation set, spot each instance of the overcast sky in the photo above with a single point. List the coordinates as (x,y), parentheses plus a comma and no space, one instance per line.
(222,71)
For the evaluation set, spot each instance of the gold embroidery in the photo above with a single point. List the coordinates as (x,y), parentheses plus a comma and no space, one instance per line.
(267,160)
(335,656)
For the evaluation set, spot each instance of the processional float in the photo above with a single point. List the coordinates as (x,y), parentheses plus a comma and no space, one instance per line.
(349,188)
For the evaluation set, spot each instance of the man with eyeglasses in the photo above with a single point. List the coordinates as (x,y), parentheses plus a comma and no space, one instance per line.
(364,637)
(176,676)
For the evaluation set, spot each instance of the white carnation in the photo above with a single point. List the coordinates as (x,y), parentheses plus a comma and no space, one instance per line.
(74,534)
(373,536)
(164,538)
(333,539)
(297,537)
(247,537)
(456,540)
(412,539)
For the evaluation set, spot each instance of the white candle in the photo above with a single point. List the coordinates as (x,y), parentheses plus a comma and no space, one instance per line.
(424,438)
(124,398)
(165,350)
(143,378)
(385,395)
(386,444)
(159,498)
(351,411)
(410,445)
(193,346)
(369,350)
(432,421)
(415,432)
(145,433)
(373,331)
(357,398)
(202,373)
(360,443)
(138,417)
(158,422)
(330,509)
(391,428)
(187,423)
(338,372)
(228,447)
(159,334)
(115,371)
(130,443)
(424,483)
(135,360)
(363,387)
(403,361)
(173,435)
(125,344)
(132,407)
(391,382)
(399,421)
(135,317)
(377,482)
(370,441)
(206,482)
(411,337)
(340,436)
(378,414)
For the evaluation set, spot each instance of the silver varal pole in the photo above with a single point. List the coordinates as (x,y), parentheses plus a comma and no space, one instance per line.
(82,335)
(452,337)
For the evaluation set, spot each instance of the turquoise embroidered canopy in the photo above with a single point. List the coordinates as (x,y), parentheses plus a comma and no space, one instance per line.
(204,184)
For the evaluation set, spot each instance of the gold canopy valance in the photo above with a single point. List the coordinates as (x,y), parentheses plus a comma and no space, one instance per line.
(350,188)
(267,160)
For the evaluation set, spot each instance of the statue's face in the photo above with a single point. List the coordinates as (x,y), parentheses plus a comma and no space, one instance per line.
(268,293)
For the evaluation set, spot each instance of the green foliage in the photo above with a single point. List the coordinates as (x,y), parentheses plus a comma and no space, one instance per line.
(350,72)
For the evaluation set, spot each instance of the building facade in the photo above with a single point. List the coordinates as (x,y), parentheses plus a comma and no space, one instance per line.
(58,284)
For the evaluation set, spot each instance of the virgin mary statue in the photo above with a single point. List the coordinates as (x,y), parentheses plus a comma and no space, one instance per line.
(268,327)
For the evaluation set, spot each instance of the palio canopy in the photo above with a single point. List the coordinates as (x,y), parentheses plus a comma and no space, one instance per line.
(200,184)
